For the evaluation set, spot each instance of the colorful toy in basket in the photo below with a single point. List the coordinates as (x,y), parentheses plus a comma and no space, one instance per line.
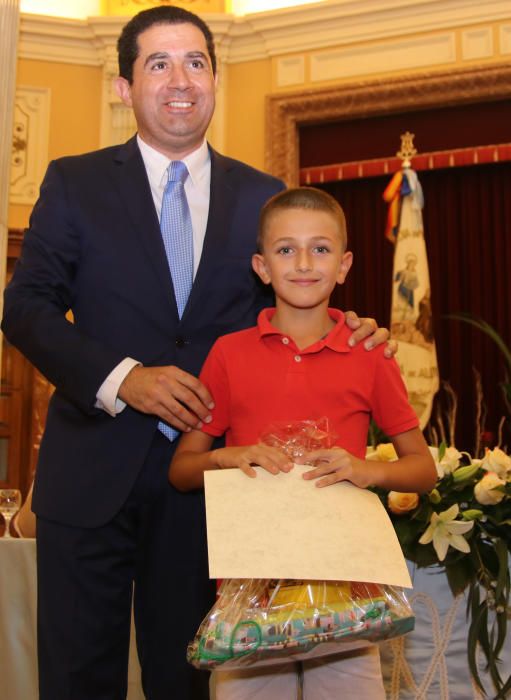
(258,622)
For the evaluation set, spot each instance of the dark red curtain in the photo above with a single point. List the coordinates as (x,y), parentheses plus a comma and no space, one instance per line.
(467,224)
(436,129)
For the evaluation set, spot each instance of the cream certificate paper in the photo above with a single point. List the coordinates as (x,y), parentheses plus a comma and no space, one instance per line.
(285,527)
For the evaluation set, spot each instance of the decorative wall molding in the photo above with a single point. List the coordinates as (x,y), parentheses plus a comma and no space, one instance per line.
(290,71)
(30,143)
(353,21)
(266,34)
(505,39)
(285,112)
(57,39)
(477,43)
(420,52)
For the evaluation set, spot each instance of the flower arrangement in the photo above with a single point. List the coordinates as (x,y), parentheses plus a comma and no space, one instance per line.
(464,526)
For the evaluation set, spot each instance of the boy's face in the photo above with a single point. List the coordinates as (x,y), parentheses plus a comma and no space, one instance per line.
(303,257)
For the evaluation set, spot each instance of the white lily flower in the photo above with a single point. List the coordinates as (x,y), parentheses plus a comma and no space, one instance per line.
(444,530)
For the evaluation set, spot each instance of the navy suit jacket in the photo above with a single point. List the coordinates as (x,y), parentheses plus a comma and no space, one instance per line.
(94,246)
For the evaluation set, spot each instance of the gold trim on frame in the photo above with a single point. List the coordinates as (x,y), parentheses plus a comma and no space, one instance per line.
(286,112)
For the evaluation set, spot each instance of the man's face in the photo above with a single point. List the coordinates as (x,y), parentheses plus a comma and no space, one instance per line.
(173,88)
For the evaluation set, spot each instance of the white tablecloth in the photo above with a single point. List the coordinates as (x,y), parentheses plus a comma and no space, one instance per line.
(429,663)
(18,650)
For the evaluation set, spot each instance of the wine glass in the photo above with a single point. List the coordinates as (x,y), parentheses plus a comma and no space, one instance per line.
(10,503)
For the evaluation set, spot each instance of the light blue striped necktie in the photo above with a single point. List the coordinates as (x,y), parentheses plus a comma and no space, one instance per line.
(177,234)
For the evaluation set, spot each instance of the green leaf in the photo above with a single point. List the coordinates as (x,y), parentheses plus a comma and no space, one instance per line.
(459,575)
(501,632)
(503,569)
(504,691)
(473,638)
(478,634)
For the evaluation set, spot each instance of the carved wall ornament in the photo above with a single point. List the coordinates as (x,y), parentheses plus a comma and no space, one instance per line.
(29,143)
(285,113)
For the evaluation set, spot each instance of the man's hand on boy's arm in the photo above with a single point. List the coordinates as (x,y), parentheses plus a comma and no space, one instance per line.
(367,329)
(245,458)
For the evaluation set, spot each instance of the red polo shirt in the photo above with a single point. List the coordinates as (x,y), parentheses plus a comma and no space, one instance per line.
(258,376)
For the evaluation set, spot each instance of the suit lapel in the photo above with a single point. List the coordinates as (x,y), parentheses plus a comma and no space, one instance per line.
(135,192)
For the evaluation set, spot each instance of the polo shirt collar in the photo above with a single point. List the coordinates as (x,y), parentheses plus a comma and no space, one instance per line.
(337,338)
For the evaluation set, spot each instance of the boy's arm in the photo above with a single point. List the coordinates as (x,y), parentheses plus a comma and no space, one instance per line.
(193,457)
(414,470)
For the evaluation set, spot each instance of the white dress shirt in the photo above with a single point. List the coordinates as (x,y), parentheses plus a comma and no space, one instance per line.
(197,189)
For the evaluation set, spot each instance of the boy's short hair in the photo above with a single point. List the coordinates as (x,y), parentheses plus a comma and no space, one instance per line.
(127,44)
(301,198)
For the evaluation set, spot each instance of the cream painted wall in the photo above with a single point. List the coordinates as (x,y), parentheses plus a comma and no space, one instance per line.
(248,84)
(75,104)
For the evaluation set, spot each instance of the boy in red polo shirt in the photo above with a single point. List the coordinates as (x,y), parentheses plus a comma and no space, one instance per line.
(296,364)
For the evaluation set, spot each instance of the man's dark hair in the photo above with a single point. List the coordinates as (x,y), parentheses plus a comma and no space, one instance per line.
(127,44)
(301,198)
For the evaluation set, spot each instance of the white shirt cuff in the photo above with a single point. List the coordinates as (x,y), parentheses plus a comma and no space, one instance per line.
(106,398)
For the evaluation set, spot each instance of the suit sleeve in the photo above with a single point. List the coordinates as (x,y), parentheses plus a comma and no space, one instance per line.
(41,293)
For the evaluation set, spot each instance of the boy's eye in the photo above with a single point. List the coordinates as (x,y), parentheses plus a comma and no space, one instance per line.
(285,250)
(321,249)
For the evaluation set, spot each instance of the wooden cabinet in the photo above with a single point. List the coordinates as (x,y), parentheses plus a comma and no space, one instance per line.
(24,397)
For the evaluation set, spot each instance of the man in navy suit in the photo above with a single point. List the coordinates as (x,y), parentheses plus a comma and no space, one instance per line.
(106,514)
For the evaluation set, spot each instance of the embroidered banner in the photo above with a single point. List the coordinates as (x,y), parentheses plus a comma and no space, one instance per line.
(411,322)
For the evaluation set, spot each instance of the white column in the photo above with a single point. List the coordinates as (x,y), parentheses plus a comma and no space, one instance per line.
(9,28)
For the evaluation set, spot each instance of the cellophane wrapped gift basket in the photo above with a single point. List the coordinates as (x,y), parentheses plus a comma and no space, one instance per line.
(257,622)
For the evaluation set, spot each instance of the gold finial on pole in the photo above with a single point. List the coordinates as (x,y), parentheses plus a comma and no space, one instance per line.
(407,150)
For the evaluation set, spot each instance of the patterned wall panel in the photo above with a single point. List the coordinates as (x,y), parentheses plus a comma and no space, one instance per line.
(29,143)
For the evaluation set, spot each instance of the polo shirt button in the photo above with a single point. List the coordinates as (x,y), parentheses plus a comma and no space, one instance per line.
(180,342)
(285,341)
(298,358)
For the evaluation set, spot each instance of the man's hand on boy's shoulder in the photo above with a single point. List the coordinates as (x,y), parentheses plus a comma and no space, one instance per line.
(367,329)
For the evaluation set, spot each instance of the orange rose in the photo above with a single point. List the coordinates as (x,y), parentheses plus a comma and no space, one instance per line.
(399,503)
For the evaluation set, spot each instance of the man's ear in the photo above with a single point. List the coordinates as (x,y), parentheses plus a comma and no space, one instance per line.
(123,90)
(344,267)
(259,267)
